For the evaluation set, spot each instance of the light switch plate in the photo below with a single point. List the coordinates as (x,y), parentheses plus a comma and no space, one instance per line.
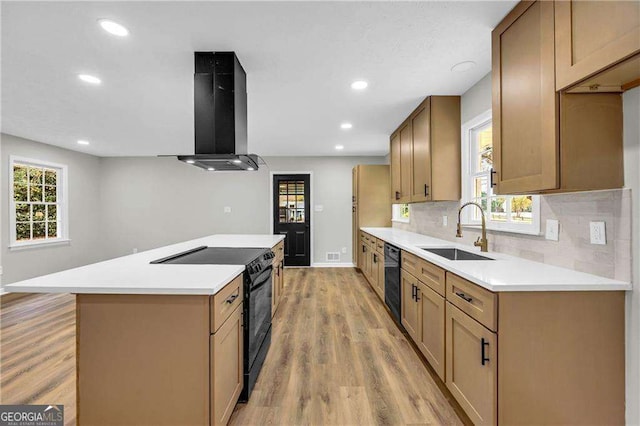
(553,230)
(227,209)
(319,207)
(598,233)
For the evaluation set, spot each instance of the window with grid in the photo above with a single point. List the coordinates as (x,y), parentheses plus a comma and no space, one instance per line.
(38,202)
(291,201)
(510,213)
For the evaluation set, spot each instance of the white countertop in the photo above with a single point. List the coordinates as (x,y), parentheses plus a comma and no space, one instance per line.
(505,273)
(134,274)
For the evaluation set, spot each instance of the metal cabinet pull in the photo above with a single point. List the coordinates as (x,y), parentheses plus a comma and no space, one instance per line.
(364,249)
(464,296)
(413,291)
(232,298)
(426,190)
(491,182)
(375,258)
(417,297)
(397,195)
(483,344)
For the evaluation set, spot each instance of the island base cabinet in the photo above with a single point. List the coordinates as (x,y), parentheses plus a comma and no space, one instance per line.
(226,368)
(471,364)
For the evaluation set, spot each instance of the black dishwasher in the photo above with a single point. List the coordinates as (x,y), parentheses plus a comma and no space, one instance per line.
(392,292)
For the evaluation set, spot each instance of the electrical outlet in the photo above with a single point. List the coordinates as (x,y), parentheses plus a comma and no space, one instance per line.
(135,250)
(445,220)
(227,209)
(598,233)
(553,230)
(344,250)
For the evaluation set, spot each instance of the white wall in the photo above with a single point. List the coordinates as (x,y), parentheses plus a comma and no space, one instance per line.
(84,212)
(151,202)
(631,102)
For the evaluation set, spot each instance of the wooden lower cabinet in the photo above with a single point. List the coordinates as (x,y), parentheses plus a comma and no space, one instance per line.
(431,341)
(226,368)
(472,366)
(379,284)
(409,312)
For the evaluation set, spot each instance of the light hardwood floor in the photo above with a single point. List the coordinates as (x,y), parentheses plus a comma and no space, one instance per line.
(336,358)
(38,351)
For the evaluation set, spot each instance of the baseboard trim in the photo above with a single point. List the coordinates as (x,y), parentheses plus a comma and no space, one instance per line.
(332,265)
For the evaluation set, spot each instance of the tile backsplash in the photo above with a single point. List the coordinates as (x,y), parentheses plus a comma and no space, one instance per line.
(573,250)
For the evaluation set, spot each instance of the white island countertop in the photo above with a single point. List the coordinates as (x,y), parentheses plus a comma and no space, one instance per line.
(504,273)
(133,274)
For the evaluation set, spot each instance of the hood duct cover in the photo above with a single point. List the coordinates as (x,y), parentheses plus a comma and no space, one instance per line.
(220,114)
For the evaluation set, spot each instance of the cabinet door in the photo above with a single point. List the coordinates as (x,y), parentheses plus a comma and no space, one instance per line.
(525,139)
(394,153)
(375,259)
(380,285)
(471,364)
(432,316)
(593,35)
(362,251)
(421,158)
(226,368)
(405,163)
(409,306)
(275,291)
(355,232)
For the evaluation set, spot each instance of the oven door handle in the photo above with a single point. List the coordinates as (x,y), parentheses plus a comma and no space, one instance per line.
(260,281)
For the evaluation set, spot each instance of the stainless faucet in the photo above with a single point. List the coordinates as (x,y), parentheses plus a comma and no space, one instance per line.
(481,241)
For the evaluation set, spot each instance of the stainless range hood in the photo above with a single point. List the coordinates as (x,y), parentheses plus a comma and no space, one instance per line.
(220,114)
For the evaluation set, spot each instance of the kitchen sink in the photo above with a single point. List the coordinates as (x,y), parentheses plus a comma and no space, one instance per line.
(456,254)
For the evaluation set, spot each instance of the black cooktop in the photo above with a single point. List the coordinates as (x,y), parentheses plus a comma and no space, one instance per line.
(214,256)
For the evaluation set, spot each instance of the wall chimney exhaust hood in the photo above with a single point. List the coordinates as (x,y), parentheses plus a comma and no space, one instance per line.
(220,114)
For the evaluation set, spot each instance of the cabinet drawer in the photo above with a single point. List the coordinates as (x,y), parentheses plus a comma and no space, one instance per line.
(477,302)
(225,302)
(380,246)
(426,272)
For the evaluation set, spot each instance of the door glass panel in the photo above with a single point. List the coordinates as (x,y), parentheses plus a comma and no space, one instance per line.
(291,202)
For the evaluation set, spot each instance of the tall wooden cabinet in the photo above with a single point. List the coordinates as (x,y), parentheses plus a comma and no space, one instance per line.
(425,153)
(547,141)
(370,202)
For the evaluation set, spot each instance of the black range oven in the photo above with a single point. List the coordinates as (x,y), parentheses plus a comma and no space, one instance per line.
(257,299)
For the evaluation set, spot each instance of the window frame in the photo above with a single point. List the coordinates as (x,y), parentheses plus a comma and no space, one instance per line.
(62,197)
(396,214)
(469,174)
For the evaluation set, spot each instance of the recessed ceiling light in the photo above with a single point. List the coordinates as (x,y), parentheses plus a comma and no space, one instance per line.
(359,85)
(237,161)
(113,27)
(83,142)
(250,169)
(463,66)
(339,147)
(89,79)
(190,161)
(211,169)
(346,126)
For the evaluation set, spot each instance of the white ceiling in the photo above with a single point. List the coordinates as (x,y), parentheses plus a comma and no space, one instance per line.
(300,59)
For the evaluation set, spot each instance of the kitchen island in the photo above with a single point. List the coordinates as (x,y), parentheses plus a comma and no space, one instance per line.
(157,344)
(514,341)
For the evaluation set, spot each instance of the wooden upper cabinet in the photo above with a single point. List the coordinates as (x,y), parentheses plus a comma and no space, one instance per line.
(396,187)
(421,160)
(425,153)
(593,35)
(406,163)
(546,141)
(525,104)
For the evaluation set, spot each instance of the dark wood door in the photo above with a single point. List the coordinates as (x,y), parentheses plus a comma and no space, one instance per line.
(292,218)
